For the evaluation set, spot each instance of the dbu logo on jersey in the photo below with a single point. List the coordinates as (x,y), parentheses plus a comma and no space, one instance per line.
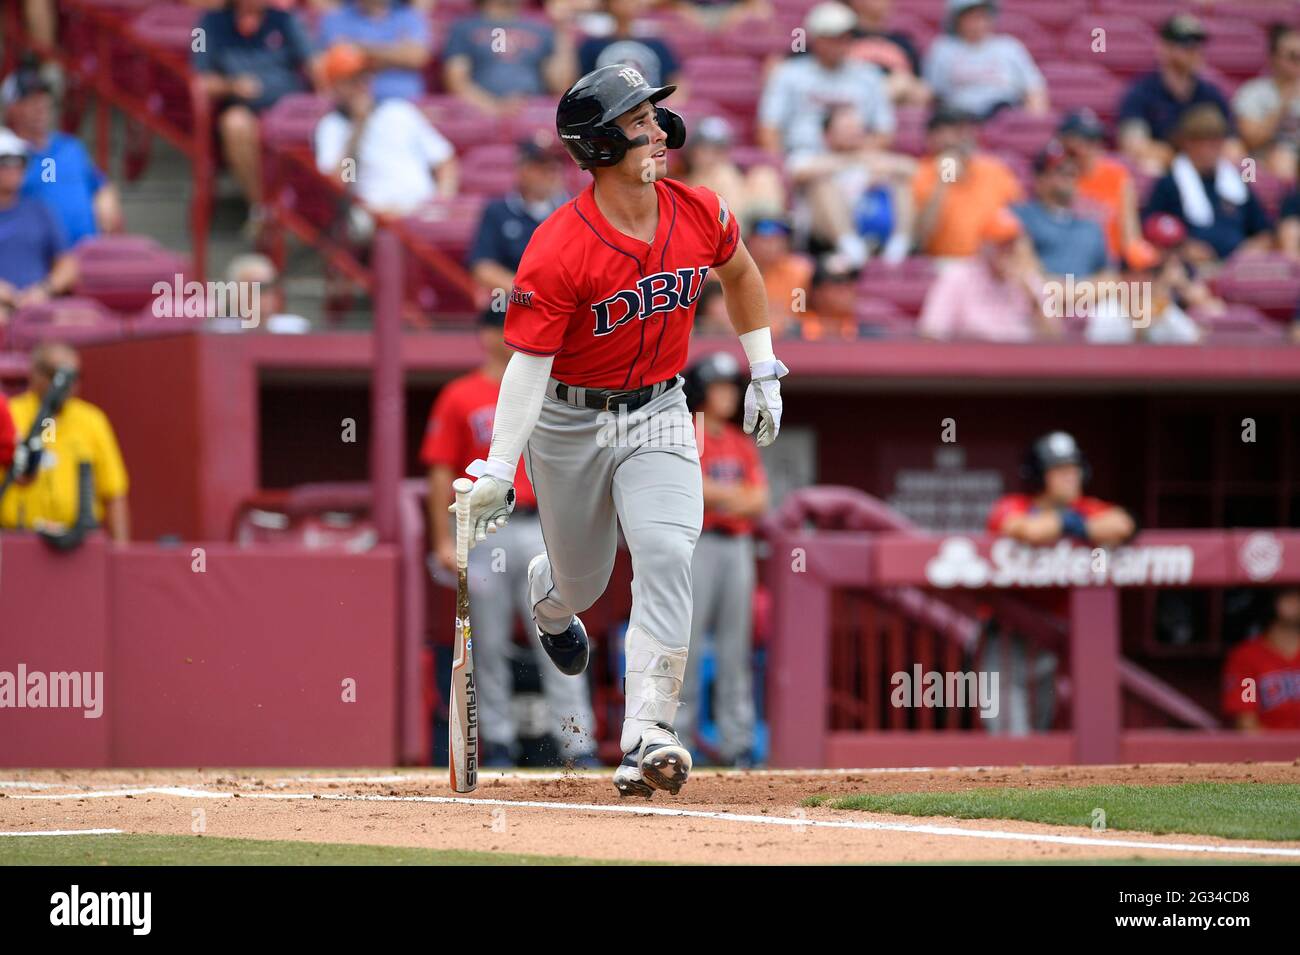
(661,292)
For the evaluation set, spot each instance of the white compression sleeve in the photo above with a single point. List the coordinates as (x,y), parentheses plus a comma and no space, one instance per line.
(523,386)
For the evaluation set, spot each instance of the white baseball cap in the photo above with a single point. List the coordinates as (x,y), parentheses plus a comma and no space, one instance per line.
(830,19)
(11,145)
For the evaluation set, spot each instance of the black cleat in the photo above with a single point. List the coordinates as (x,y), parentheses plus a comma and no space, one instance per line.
(570,650)
(664,762)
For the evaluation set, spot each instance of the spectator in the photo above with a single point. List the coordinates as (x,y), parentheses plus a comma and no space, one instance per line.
(508,222)
(1105,186)
(723,570)
(707,161)
(628,43)
(252,56)
(49,498)
(721,14)
(1267,109)
(59,170)
(891,50)
(832,304)
(975,70)
(857,192)
(498,57)
(35,264)
(957,190)
(394,37)
(1055,508)
(786,274)
(801,91)
(1065,242)
(458,432)
(996,296)
(1261,677)
(1154,105)
(42,20)
(388,149)
(1169,237)
(1145,304)
(1205,190)
(8,435)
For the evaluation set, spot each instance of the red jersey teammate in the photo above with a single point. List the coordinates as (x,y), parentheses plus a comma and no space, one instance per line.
(1271,664)
(600,319)
(1055,470)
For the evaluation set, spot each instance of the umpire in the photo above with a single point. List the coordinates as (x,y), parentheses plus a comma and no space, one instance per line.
(722,571)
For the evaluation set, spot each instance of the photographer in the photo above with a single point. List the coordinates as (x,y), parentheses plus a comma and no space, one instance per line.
(45,494)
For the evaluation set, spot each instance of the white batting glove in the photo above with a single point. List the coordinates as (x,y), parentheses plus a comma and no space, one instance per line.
(490,502)
(763,400)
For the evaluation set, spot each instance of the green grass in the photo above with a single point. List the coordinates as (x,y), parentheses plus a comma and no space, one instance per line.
(1230,810)
(127,849)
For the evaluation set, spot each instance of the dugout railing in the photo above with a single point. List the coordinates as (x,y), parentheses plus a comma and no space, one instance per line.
(858,600)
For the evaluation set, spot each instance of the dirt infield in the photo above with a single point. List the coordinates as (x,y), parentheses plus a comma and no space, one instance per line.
(720,817)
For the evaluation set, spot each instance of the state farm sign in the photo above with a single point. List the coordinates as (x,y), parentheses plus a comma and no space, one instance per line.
(1012,564)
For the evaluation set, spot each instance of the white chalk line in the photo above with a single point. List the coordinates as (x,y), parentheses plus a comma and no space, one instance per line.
(646,810)
(66,832)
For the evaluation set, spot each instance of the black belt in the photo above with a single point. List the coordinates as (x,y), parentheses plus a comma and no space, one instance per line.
(603,399)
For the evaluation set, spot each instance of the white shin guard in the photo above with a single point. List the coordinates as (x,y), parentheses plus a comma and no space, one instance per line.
(652,685)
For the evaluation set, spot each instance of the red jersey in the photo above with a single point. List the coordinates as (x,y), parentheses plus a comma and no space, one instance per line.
(617,312)
(460,430)
(8,437)
(730,458)
(1277,684)
(1013,505)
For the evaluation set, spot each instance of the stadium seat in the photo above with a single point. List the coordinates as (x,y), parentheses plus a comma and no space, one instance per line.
(488,170)
(1237,48)
(1044,45)
(1054,15)
(1083,85)
(1129,43)
(1267,281)
(75,320)
(1240,324)
(1018,132)
(909,136)
(759,38)
(904,286)
(120,271)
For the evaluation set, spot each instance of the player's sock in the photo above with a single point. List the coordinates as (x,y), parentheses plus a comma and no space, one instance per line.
(652,685)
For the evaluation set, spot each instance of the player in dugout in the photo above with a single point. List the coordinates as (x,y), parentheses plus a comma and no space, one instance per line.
(1055,507)
(1261,678)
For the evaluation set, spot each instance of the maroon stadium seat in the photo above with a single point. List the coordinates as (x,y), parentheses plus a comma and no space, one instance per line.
(1240,323)
(488,170)
(759,38)
(1269,282)
(1129,43)
(120,271)
(1055,14)
(1081,85)
(909,136)
(78,321)
(904,286)
(1018,132)
(1044,45)
(291,122)
(1237,48)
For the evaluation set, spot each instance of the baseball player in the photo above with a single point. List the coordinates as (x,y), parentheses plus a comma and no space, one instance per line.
(722,573)
(599,319)
(459,430)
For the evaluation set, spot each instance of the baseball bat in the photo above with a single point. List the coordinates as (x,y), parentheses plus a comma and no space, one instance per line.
(462,720)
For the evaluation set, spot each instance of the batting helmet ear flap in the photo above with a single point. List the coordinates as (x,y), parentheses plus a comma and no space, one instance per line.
(672,124)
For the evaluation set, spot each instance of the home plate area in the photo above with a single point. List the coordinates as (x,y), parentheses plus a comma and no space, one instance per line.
(770,817)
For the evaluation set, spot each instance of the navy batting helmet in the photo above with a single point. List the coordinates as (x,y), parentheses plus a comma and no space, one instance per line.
(1050,451)
(586,114)
(719,366)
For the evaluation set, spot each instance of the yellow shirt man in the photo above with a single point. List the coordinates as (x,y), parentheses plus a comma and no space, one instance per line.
(79,432)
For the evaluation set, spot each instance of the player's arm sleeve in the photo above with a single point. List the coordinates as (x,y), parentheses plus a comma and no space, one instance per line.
(542,302)
(519,403)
